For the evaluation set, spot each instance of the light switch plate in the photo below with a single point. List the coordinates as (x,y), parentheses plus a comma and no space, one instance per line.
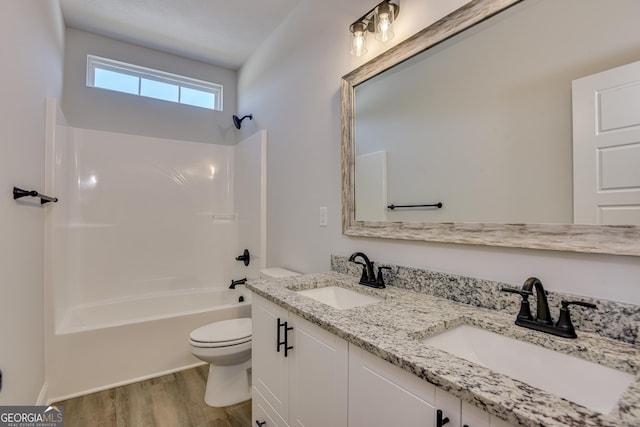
(323,217)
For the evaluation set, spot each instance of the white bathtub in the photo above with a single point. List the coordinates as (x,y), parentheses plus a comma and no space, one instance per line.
(160,306)
(100,346)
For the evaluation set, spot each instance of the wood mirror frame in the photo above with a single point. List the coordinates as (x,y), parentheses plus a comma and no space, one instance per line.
(607,239)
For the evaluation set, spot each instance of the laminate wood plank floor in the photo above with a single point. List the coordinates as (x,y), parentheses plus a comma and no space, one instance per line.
(174,400)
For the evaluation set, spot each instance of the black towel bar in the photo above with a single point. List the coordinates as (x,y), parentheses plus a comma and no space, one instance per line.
(19,193)
(435,205)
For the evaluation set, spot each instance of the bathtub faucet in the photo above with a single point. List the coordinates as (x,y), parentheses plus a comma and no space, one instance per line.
(234,283)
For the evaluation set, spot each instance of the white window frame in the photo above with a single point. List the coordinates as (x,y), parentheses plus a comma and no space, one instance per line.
(94,62)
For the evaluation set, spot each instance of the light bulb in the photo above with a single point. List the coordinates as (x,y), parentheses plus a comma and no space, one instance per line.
(359,39)
(384,22)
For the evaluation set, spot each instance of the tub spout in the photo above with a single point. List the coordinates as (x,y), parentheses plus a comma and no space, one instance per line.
(235,283)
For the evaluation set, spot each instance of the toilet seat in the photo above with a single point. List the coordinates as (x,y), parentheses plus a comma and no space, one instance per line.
(222,334)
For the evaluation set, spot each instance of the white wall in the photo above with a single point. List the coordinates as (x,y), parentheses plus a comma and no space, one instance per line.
(98,109)
(291,84)
(32,49)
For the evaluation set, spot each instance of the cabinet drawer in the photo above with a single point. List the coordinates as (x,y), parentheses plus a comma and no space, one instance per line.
(262,412)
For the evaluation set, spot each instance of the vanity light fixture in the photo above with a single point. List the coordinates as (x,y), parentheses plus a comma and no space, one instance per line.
(378,20)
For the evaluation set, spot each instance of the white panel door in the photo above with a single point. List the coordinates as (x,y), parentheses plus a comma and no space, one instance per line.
(606,147)
(371,187)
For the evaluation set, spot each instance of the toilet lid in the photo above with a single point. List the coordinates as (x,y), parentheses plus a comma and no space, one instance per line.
(223,332)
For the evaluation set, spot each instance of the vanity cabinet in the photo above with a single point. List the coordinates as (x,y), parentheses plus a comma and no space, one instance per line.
(382,394)
(300,371)
(325,381)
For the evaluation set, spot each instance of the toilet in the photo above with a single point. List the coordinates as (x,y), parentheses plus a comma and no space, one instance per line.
(226,346)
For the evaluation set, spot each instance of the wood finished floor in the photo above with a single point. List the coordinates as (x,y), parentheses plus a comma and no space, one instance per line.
(174,400)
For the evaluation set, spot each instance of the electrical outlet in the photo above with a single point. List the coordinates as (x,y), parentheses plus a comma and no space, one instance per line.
(323,217)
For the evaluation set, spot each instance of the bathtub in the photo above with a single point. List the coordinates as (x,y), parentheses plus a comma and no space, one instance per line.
(100,346)
(160,306)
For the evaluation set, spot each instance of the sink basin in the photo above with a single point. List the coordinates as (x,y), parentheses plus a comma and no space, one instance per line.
(589,384)
(338,297)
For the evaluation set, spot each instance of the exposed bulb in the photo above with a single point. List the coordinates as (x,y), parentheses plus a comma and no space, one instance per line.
(359,39)
(359,47)
(384,23)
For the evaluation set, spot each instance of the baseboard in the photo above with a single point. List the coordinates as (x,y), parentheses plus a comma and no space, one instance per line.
(121,383)
(42,397)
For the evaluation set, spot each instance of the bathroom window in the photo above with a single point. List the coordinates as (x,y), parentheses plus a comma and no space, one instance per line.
(118,76)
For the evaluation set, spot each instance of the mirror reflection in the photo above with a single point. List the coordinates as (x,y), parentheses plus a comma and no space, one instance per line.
(482,123)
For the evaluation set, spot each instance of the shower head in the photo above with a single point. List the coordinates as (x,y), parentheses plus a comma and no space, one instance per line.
(238,122)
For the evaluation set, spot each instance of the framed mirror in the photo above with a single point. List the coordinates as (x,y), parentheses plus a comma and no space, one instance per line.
(421,126)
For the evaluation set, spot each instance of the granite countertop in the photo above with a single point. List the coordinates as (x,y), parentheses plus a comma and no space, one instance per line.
(391,329)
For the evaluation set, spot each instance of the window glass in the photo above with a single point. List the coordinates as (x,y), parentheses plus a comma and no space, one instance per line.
(197,98)
(159,90)
(114,75)
(116,81)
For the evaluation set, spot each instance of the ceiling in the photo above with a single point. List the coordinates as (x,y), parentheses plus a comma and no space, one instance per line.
(219,32)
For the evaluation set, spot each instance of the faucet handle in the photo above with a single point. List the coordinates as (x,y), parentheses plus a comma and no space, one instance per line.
(524,294)
(564,321)
(565,304)
(525,309)
(380,279)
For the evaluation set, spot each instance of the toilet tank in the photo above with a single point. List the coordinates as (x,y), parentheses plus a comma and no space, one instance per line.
(275,272)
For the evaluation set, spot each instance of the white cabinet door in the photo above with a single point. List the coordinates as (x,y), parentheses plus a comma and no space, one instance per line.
(270,369)
(472,416)
(497,422)
(383,395)
(318,377)
(606,147)
(450,407)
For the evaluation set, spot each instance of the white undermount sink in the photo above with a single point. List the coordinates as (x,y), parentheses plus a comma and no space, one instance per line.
(338,297)
(589,384)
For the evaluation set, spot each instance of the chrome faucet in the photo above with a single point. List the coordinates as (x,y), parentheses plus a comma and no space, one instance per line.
(368,277)
(543,321)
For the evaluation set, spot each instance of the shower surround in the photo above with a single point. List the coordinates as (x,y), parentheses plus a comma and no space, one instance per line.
(139,220)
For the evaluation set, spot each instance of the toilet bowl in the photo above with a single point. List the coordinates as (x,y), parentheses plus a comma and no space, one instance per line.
(226,346)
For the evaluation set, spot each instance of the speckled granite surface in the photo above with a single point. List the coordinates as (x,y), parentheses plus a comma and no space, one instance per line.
(611,319)
(392,328)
